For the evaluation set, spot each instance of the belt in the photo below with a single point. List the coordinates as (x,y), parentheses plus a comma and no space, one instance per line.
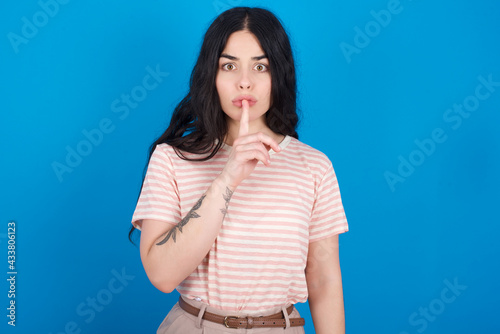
(273,320)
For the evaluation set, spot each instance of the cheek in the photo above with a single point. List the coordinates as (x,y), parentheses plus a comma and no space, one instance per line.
(223,92)
(221,86)
(266,89)
(266,85)
(218,84)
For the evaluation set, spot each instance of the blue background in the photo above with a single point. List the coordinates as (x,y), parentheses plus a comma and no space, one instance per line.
(412,234)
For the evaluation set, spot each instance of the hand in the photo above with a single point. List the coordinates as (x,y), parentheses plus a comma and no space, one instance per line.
(248,150)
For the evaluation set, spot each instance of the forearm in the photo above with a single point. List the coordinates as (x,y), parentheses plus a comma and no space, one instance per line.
(324,286)
(178,251)
(326,303)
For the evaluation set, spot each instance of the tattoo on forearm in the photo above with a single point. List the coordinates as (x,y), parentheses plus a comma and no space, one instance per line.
(227,197)
(183,222)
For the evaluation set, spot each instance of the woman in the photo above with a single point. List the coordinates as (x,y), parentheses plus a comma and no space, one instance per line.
(235,212)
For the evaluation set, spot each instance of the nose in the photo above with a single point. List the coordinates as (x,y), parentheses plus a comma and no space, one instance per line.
(244,80)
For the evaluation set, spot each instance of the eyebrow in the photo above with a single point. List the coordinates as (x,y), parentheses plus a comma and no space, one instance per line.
(225,55)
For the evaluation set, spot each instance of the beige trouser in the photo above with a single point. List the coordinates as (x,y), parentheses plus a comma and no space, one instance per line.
(179,321)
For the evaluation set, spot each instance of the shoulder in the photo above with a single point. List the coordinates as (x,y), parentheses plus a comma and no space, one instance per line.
(178,157)
(162,152)
(166,151)
(163,156)
(163,149)
(309,153)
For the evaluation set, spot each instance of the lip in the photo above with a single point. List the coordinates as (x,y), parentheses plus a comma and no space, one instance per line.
(251,100)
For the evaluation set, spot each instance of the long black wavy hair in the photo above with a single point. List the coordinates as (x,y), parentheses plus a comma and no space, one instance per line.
(198,124)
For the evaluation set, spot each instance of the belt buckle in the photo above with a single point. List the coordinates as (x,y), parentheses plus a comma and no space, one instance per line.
(226,318)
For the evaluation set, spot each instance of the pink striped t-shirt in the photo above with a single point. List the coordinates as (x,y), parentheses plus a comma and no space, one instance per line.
(257,261)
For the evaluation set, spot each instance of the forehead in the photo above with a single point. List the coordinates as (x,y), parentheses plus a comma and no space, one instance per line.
(243,44)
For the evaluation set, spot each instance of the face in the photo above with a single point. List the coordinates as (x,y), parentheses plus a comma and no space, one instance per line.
(244,73)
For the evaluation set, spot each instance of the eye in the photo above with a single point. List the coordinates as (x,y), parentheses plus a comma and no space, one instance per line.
(228,67)
(261,67)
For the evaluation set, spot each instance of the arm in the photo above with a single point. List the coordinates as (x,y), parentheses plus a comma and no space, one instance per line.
(170,253)
(324,284)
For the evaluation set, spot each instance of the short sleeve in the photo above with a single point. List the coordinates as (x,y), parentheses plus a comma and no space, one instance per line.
(159,198)
(328,216)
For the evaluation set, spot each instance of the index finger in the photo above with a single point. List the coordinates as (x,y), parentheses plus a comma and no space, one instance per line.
(244,119)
